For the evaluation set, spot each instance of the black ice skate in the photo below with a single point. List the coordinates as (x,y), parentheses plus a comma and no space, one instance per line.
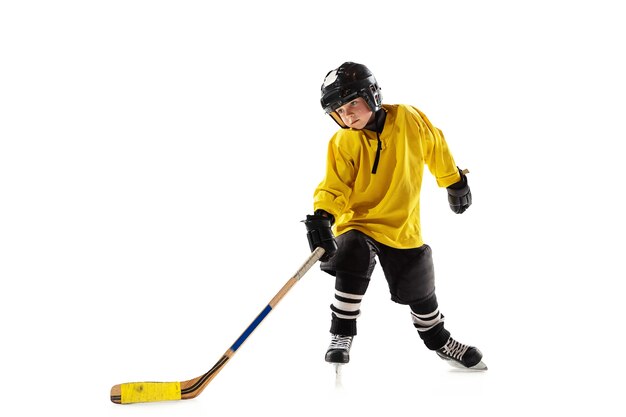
(339,350)
(461,356)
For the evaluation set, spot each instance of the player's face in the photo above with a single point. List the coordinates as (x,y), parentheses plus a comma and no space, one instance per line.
(355,114)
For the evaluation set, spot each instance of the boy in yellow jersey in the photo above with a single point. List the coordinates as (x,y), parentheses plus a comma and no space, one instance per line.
(367,207)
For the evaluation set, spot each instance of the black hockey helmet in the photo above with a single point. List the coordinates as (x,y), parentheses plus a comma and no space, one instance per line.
(344,84)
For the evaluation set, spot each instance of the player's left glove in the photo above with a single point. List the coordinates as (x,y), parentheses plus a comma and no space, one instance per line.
(459,195)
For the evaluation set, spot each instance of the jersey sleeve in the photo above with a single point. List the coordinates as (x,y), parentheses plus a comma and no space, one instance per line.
(437,155)
(333,193)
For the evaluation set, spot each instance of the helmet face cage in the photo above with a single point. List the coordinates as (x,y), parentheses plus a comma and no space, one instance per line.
(346,83)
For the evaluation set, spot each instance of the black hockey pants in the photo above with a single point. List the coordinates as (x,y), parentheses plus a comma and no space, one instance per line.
(410,277)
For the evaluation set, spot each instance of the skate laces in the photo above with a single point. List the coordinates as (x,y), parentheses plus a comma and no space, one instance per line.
(340,342)
(455,349)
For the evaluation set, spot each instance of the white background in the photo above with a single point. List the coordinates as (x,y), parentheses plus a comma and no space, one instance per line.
(156,158)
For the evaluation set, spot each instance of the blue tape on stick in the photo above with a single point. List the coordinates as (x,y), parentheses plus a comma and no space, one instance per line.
(251,328)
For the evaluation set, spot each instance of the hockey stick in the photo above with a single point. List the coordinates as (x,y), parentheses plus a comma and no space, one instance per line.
(141,392)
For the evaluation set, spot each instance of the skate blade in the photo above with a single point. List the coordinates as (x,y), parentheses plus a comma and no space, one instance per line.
(480,366)
(338,368)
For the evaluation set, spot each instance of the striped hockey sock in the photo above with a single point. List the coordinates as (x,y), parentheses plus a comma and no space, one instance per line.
(429,323)
(346,308)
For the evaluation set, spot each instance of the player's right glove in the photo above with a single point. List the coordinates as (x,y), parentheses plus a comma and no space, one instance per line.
(319,233)
(459,195)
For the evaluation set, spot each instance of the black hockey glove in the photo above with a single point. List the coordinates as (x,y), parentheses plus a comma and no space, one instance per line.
(459,195)
(319,233)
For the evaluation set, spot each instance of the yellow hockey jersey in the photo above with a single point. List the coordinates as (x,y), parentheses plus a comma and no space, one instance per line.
(384,205)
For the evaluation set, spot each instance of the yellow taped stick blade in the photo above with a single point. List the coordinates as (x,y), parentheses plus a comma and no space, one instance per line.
(143,392)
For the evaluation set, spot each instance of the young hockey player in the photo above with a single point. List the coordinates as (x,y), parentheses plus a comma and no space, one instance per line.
(370,200)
